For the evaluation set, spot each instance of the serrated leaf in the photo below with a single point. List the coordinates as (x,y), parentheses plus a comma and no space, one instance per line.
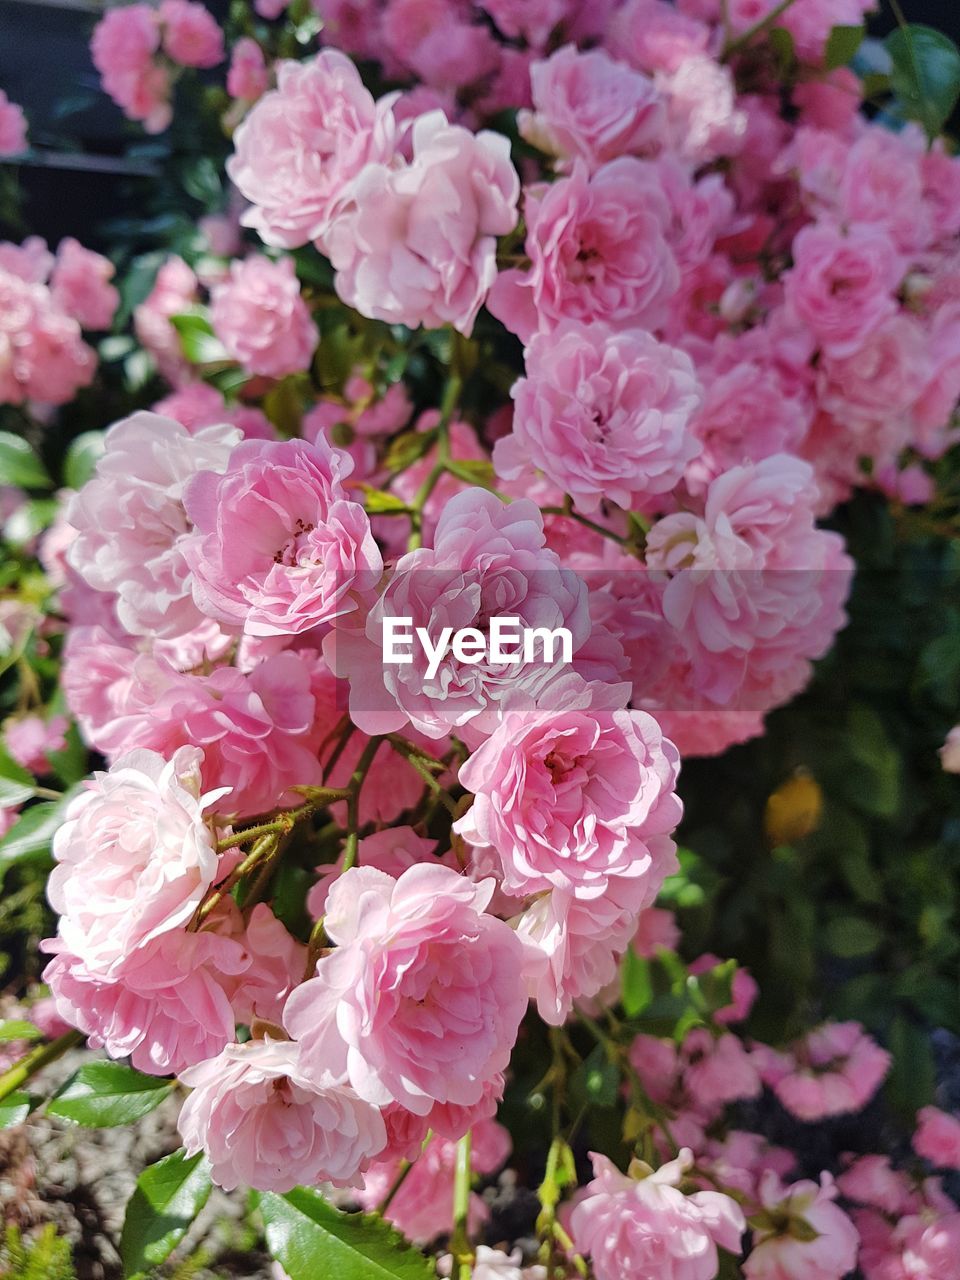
(637,983)
(842,45)
(167,1198)
(82,457)
(14,1109)
(16,784)
(19,465)
(926,74)
(103,1094)
(18,1029)
(310,1239)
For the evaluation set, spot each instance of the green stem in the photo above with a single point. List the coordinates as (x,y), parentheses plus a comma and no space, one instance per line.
(264,847)
(399,1180)
(588,523)
(36,1060)
(460,1240)
(353,802)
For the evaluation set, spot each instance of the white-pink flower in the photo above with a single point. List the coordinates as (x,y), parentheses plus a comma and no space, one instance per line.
(805,1237)
(261,319)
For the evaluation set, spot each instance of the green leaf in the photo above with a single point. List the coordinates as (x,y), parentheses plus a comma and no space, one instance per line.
(81,459)
(18,1029)
(14,1109)
(637,983)
(851,936)
(842,45)
(167,1198)
(595,1082)
(200,345)
(19,465)
(29,520)
(781,42)
(310,1239)
(16,784)
(926,74)
(378,501)
(30,837)
(103,1094)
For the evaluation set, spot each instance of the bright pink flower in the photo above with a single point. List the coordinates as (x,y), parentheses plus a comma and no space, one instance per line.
(260,317)
(933,411)
(488,559)
(657,928)
(716,1071)
(132,524)
(191,35)
(588,107)
(279,549)
(838,1069)
(649,1227)
(264,1124)
(831,101)
(418,243)
(167,1010)
(568,791)
(842,284)
(603,414)
(81,285)
(30,739)
(783,1251)
(421,1001)
(13,127)
(533,20)
(31,260)
(598,251)
(247,77)
(134,858)
(937,1138)
(299,149)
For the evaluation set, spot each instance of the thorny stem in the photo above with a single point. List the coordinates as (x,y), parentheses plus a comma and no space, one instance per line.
(264,847)
(424,765)
(353,802)
(36,1060)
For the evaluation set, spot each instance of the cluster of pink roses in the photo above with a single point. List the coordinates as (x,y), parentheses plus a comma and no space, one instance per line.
(13,127)
(46,302)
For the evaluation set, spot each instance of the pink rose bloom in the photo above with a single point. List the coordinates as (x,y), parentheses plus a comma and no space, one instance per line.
(277,962)
(421,1001)
(588,107)
(603,414)
(654,35)
(197,404)
(657,928)
(831,101)
(299,149)
(704,121)
(42,353)
(430,38)
(842,284)
(418,244)
(393,851)
(30,740)
(950,751)
(937,1138)
(743,989)
(247,77)
(123,46)
(717,1070)
(838,1070)
(649,1227)
(933,411)
(531,20)
(882,186)
(131,520)
(930,1248)
(568,791)
(169,1008)
(174,290)
(31,261)
(598,251)
(134,858)
(260,317)
(263,1124)
(13,127)
(81,285)
(782,1252)
(191,35)
(811,21)
(488,559)
(279,548)
(870,1180)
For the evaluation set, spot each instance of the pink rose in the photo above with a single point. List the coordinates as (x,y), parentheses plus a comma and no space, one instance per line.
(648,1226)
(811,21)
(264,1124)
(929,1248)
(704,120)
(421,1001)
(191,35)
(842,284)
(260,317)
(716,1071)
(132,524)
(870,1180)
(13,127)
(299,149)
(197,404)
(431,39)
(598,251)
(589,107)
(30,739)
(279,548)
(123,46)
(836,1069)
(247,77)
(808,1237)
(937,1138)
(134,858)
(42,353)
(603,414)
(81,285)
(417,244)
(654,35)
(533,20)
(174,290)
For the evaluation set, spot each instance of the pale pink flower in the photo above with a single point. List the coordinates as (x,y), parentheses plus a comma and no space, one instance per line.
(654,35)
(716,1070)
(174,291)
(842,283)
(937,1138)
(168,1009)
(494,1264)
(247,77)
(811,21)
(656,928)
(417,245)
(13,127)
(134,858)
(932,412)
(421,1001)
(648,1226)
(533,20)
(598,251)
(42,353)
(929,1246)
(299,148)
(264,1124)
(277,962)
(950,751)
(784,1252)
(132,524)
(870,1180)
(31,260)
(590,107)
(191,35)
(838,1068)
(603,414)
(568,791)
(392,850)
(430,38)
(279,548)
(831,101)
(882,186)
(123,46)
(261,319)
(704,121)
(30,739)
(197,404)
(81,285)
